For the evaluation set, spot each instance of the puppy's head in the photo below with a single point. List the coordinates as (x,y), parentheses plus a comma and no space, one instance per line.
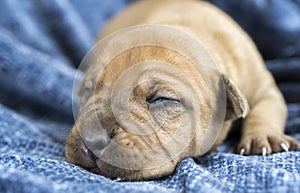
(143,111)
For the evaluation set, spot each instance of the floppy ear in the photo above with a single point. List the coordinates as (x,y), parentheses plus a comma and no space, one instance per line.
(237,105)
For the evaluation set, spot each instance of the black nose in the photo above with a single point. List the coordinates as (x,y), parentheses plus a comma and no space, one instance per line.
(113,132)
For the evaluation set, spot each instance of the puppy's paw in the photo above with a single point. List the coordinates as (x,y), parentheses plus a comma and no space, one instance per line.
(263,144)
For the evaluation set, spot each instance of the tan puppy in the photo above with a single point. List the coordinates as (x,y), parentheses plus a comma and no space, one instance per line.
(140,125)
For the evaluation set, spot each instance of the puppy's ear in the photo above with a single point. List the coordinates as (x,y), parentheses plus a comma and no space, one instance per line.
(237,105)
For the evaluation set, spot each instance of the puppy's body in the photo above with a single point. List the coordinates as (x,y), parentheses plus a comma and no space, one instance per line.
(245,76)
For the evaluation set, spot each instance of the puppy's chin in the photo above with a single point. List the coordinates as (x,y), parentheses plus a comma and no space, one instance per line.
(114,172)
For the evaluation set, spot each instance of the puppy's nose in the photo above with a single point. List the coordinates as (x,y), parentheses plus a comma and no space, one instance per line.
(114,132)
(92,132)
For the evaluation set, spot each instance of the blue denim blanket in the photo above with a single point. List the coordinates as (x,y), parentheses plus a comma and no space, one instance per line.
(41,44)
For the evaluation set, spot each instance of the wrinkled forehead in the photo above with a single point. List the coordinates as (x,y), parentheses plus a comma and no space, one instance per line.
(144,65)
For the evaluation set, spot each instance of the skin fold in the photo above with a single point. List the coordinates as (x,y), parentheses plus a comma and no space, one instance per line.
(144,132)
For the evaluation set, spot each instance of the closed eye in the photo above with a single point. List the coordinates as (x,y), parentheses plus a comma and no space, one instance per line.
(161,99)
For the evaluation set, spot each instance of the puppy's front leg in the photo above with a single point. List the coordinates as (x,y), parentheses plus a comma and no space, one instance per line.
(263,128)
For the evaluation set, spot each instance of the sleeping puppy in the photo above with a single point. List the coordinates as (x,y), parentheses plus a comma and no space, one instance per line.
(170,88)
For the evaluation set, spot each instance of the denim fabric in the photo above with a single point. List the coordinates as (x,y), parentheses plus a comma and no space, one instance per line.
(273,25)
(41,44)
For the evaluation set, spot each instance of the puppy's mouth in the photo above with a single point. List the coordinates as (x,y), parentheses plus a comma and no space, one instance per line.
(112,161)
(94,164)
(102,162)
